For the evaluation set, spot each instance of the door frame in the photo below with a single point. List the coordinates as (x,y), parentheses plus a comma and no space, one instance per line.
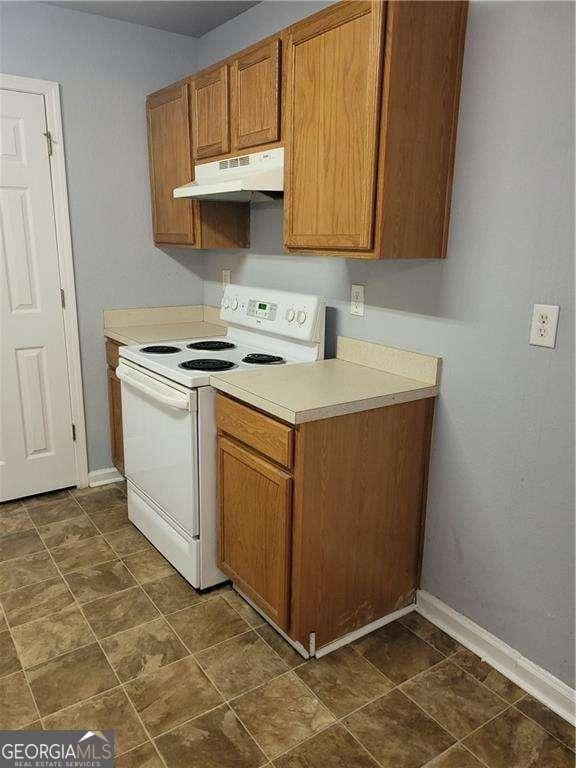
(50,90)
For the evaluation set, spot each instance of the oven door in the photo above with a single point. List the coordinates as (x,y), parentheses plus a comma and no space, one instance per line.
(160,424)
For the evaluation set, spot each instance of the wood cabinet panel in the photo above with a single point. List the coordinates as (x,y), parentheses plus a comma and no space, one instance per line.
(424,54)
(210,120)
(402,208)
(173,221)
(255,97)
(266,435)
(115,415)
(112,355)
(332,104)
(359,501)
(224,225)
(255,501)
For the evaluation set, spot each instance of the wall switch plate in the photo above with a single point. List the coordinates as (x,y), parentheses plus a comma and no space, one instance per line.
(357,300)
(225,277)
(544,325)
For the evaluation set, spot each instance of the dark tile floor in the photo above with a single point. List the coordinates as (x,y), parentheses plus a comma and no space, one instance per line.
(98,631)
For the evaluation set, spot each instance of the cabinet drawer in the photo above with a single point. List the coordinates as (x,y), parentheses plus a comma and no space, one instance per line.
(112,353)
(266,435)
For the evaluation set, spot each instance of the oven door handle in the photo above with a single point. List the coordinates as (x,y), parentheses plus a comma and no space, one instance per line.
(146,385)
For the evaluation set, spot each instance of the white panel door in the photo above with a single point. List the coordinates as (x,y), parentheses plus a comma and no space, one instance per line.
(36,444)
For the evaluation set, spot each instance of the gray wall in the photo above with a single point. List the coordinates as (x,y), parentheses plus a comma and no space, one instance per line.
(499,542)
(105,69)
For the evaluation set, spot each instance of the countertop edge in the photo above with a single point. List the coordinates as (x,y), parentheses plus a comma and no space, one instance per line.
(113,336)
(268,406)
(202,329)
(325,412)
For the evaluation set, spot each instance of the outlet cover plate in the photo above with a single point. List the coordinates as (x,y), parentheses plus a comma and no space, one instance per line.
(226,277)
(357,300)
(544,325)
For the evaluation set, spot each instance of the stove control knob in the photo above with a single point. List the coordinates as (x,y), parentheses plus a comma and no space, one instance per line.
(290,315)
(225,303)
(234,303)
(301,317)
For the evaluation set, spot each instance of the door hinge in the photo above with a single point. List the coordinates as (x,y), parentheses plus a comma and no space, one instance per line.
(63,298)
(49,142)
(74,432)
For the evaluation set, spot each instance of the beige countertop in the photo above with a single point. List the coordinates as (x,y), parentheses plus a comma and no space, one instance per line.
(151,324)
(363,376)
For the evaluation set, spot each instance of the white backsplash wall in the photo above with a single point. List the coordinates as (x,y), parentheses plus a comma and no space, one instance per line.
(500,533)
(105,68)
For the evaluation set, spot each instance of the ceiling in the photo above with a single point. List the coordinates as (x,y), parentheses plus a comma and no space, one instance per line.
(187,17)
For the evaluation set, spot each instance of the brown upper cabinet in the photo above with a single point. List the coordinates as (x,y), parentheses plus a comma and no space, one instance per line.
(364,98)
(255,96)
(182,221)
(210,123)
(173,221)
(371,108)
(332,107)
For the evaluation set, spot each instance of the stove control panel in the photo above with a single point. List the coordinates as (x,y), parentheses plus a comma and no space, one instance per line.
(263,309)
(293,315)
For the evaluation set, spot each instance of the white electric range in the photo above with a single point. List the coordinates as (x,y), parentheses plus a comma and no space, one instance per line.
(169,421)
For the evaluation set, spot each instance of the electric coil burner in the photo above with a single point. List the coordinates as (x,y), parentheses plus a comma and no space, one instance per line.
(211,346)
(258,358)
(206,364)
(160,349)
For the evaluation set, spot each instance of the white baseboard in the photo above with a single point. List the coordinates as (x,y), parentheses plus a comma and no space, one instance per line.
(548,689)
(104,476)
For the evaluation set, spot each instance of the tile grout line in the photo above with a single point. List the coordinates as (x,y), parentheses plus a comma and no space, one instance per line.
(515,706)
(24,675)
(46,550)
(224,701)
(131,704)
(79,606)
(227,701)
(476,730)
(16,646)
(445,658)
(468,675)
(314,695)
(201,601)
(36,551)
(357,740)
(476,757)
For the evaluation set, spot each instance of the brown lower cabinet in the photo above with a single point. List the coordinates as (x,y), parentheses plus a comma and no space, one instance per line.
(321,524)
(115,406)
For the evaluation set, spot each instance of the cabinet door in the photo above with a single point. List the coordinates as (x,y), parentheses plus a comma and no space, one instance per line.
(255,500)
(255,97)
(334,62)
(173,221)
(210,123)
(115,412)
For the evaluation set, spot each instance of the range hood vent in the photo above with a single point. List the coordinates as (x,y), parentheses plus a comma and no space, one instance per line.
(258,177)
(235,162)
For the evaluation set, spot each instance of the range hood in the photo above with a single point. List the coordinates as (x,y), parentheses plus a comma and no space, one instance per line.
(254,178)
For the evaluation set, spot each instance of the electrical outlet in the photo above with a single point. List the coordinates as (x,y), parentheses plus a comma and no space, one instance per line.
(225,277)
(544,325)
(357,300)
